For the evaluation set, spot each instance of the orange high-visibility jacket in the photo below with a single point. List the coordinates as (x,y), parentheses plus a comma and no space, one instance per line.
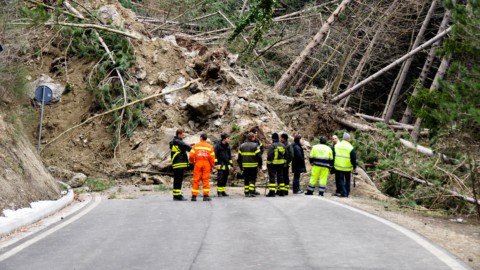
(203,151)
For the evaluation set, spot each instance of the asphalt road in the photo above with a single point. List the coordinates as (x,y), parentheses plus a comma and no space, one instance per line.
(154,232)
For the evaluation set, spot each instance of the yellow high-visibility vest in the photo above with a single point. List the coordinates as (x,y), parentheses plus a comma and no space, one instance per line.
(342,156)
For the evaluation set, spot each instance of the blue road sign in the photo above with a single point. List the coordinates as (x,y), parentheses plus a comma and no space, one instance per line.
(43,93)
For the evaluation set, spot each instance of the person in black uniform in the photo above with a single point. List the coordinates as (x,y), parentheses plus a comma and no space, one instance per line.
(249,160)
(179,157)
(223,161)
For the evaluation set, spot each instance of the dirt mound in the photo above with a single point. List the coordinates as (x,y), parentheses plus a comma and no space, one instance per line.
(227,99)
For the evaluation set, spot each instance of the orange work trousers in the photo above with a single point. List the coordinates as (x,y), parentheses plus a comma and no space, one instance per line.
(201,170)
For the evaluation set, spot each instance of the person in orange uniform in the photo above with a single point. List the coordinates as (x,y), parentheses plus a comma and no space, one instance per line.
(203,156)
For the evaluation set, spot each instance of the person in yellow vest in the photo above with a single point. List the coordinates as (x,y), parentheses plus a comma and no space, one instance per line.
(345,161)
(321,158)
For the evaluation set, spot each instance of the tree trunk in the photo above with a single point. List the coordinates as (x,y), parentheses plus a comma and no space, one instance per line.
(391,106)
(421,149)
(407,116)
(397,62)
(282,84)
(368,52)
(421,181)
(440,74)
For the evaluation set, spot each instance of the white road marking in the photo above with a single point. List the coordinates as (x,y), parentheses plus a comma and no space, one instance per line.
(32,241)
(443,256)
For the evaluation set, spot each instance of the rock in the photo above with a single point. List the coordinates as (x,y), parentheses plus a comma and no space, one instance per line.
(204,103)
(218,122)
(191,124)
(256,109)
(160,180)
(77,180)
(141,74)
(57,89)
(162,78)
(60,173)
(170,98)
(109,14)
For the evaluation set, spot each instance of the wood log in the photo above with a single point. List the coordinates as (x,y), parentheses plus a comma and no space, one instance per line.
(397,62)
(224,107)
(427,183)
(420,149)
(352,125)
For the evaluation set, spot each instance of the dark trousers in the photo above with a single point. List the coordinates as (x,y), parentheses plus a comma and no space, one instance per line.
(250,175)
(286,179)
(177,181)
(275,175)
(296,182)
(222,178)
(342,180)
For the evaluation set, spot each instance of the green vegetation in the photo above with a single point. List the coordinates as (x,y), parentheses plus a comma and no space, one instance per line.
(159,188)
(259,14)
(380,153)
(97,185)
(109,81)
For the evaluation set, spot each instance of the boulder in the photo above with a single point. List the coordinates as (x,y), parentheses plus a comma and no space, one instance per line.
(204,103)
(57,89)
(77,180)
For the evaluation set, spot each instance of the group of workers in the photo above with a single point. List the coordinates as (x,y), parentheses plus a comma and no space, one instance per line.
(340,158)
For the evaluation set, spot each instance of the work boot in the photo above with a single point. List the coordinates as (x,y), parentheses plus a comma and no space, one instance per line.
(256,192)
(281,193)
(194,198)
(179,198)
(271,193)
(252,194)
(309,192)
(224,194)
(206,198)
(219,194)
(320,193)
(286,192)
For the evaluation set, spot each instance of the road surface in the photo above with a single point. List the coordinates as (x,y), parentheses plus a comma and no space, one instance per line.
(293,232)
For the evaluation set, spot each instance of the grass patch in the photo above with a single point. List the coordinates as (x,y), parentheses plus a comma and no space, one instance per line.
(160,188)
(97,184)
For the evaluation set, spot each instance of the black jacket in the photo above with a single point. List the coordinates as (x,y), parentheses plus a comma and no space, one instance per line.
(249,155)
(298,162)
(223,156)
(178,153)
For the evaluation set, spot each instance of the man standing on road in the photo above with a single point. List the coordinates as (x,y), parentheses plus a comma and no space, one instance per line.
(288,164)
(321,158)
(203,156)
(332,170)
(275,164)
(223,161)
(179,157)
(345,160)
(298,163)
(249,160)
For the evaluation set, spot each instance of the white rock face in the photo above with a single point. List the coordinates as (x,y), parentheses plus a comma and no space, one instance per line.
(204,103)
(57,89)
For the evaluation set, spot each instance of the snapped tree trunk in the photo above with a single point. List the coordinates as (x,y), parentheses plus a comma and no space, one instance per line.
(397,62)
(407,115)
(403,74)
(368,52)
(282,84)
(436,82)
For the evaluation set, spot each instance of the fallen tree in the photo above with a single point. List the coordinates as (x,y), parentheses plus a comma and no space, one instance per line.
(429,184)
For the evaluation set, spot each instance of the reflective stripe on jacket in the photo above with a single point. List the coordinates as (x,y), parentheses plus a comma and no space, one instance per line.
(342,160)
(202,151)
(178,153)
(276,154)
(223,156)
(321,155)
(249,155)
